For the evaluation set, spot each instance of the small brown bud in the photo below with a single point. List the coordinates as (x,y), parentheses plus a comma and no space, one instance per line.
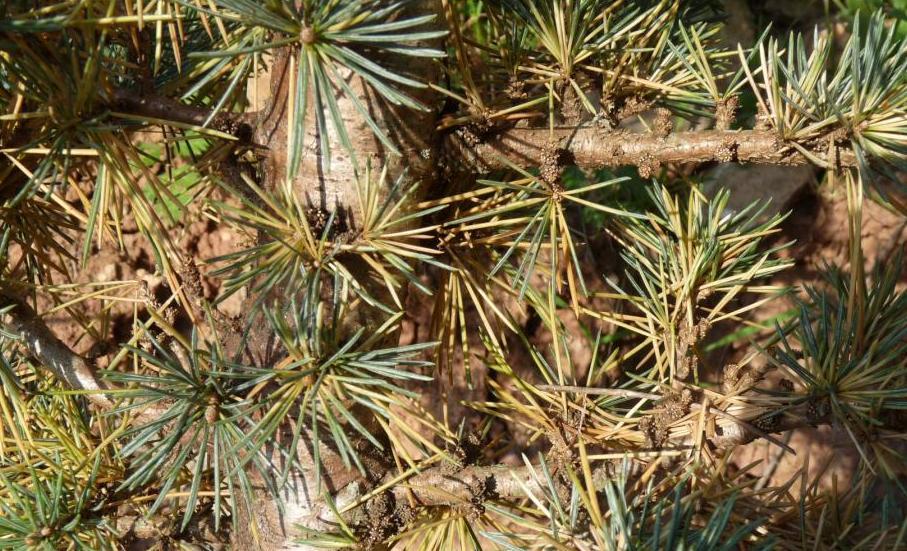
(211,412)
(307,36)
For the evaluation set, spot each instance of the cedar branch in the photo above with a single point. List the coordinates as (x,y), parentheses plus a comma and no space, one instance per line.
(72,369)
(164,108)
(592,148)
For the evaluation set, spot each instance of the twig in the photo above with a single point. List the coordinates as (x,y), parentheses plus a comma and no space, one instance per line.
(644,395)
(773,465)
(622,392)
(439,486)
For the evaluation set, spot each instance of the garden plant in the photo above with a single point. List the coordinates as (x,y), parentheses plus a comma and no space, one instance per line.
(476,292)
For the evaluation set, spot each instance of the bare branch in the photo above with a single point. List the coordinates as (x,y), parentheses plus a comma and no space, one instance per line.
(596,148)
(51,352)
(439,486)
(165,108)
(595,391)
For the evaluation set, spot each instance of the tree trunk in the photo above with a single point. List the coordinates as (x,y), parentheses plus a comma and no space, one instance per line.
(331,186)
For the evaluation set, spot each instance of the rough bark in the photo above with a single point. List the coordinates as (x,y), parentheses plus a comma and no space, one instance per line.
(596,148)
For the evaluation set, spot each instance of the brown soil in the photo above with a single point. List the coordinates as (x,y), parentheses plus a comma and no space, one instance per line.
(819,223)
(132,264)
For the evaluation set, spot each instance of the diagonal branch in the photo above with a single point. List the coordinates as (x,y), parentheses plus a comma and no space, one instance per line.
(168,109)
(72,369)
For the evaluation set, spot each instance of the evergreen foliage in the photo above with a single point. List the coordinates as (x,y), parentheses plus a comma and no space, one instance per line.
(124,116)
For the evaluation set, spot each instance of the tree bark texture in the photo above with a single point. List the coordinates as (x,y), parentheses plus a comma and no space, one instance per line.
(331,186)
(592,148)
